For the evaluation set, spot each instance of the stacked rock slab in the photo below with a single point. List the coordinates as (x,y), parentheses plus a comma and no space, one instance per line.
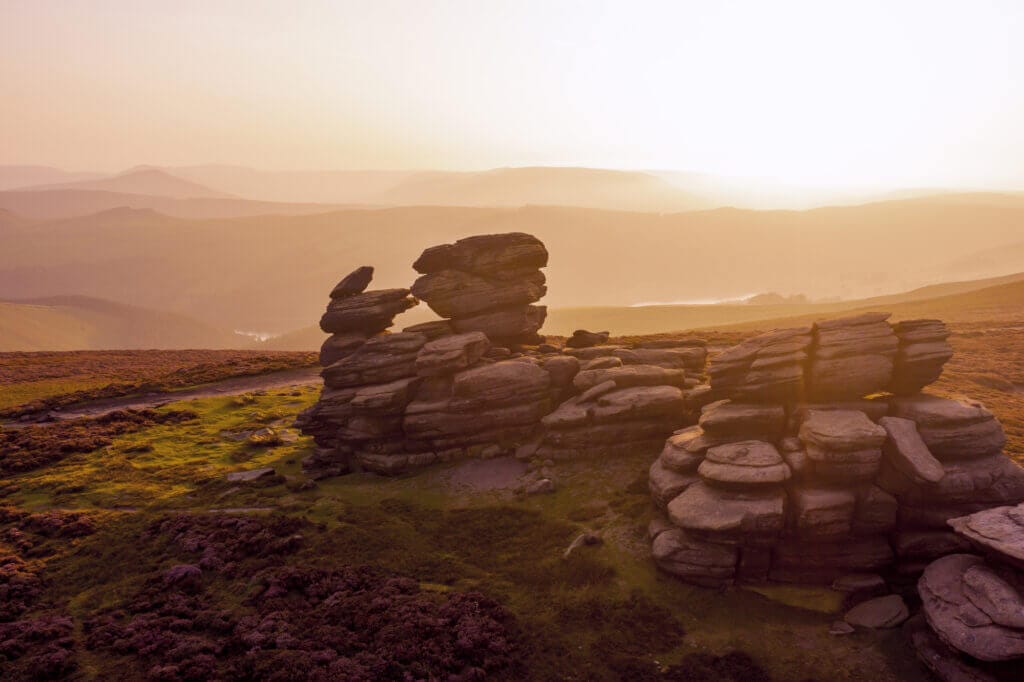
(487,283)
(972,622)
(444,389)
(356,354)
(622,400)
(809,468)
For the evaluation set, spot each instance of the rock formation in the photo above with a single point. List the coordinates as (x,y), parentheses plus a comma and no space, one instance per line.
(818,458)
(471,385)
(487,283)
(972,621)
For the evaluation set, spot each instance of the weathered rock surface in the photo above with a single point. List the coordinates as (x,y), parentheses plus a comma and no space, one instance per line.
(998,531)
(450,354)
(923,351)
(487,284)
(766,368)
(952,429)
(370,312)
(581,338)
(852,357)
(744,464)
(881,612)
(702,563)
(946,588)
(907,453)
(353,283)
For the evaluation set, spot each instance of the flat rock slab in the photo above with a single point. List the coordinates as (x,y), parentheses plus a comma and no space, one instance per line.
(907,452)
(841,430)
(999,531)
(250,475)
(881,612)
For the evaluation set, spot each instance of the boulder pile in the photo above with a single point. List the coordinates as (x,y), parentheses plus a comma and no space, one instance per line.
(819,459)
(972,621)
(487,283)
(474,384)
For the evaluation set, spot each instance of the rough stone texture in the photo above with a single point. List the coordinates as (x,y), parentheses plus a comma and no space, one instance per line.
(434,329)
(702,563)
(923,351)
(725,516)
(769,367)
(948,664)
(998,531)
(450,354)
(353,283)
(727,419)
(907,453)
(854,474)
(946,588)
(487,283)
(952,429)
(841,431)
(852,357)
(666,484)
(338,346)
(581,338)
(881,612)
(748,463)
(370,312)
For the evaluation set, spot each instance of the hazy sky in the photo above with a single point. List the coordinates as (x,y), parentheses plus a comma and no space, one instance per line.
(863,92)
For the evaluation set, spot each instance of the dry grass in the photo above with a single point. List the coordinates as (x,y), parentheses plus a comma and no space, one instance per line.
(33,381)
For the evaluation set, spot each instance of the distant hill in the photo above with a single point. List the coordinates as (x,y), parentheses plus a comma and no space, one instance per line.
(271,273)
(11,221)
(83,323)
(146,181)
(662,318)
(25,176)
(589,187)
(63,204)
(1002,303)
(323,187)
(1003,258)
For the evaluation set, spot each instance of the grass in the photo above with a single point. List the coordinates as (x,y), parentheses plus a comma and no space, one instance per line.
(606,613)
(43,380)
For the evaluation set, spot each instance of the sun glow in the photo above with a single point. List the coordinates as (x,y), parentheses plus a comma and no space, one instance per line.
(865,93)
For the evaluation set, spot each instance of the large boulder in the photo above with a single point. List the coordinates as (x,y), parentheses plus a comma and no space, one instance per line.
(746,464)
(353,283)
(974,608)
(923,351)
(485,254)
(370,312)
(952,429)
(450,354)
(853,357)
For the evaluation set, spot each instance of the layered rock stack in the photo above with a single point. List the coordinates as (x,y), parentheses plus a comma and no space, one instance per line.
(623,400)
(972,621)
(467,385)
(818,460)
(487,283)
(357,354)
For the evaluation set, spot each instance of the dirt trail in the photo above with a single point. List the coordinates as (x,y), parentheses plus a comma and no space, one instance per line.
(306,376)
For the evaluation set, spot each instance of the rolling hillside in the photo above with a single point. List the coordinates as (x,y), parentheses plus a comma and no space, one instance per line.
(999,306)
(81,323)
(271,273)
(13,176)
(146,181)
(64,204)
(585,187)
